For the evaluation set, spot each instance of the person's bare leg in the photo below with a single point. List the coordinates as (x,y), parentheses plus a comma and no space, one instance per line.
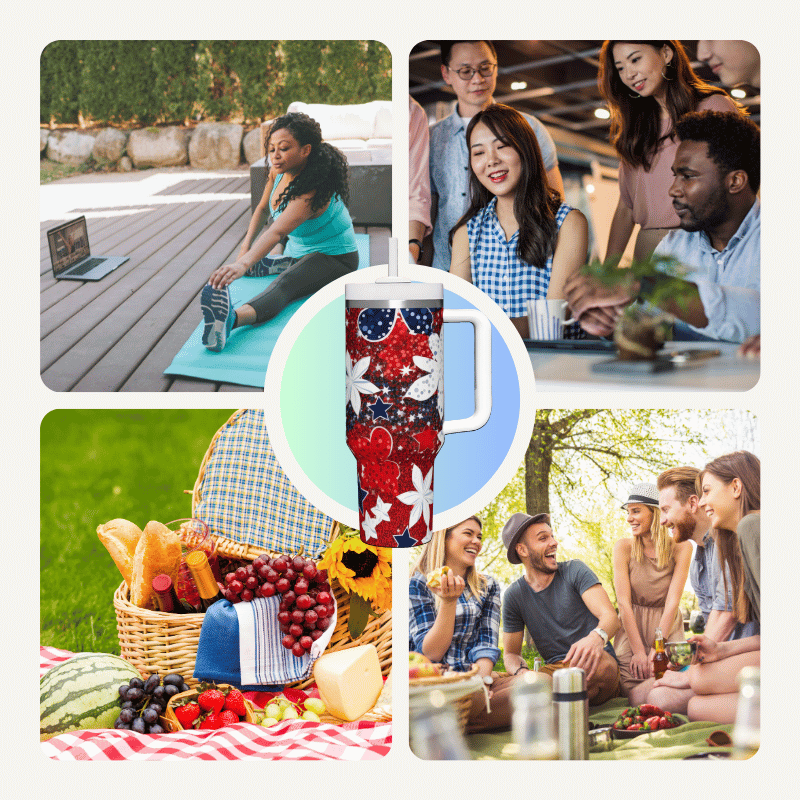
(720,677)
(638,694)
(717,708)
(604,684)
(245,315)
(668,698)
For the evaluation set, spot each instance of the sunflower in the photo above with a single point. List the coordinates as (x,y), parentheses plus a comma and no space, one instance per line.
(361,569)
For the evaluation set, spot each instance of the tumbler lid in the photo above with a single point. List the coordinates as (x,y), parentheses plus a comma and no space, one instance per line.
(569,681)
(395,291)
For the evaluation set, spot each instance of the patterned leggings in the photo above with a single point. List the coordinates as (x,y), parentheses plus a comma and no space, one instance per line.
(305,276)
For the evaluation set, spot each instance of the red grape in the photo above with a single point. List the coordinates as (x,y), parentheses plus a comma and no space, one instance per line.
(296,630)
(304,602)
(284,617)
(315,634)
(298,562)
(236,586)
(267,590)
(322,624)
(309,572)
(298,616)
(288,641)
(289,597)
(301,586)
(241,574)
(298,650)
(260,561)
(271,575)
(280,565)
(322,611)
(290,575)
(251,583)
(247,595)
(282,585)
(250,570)
(311,618)
(305,642)
(230,578)
(321,576)
(324,598)
(284,628)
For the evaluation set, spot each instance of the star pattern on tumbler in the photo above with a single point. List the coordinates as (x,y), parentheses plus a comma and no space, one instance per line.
(362,496)
(405,539)
(428,439)
(379,409)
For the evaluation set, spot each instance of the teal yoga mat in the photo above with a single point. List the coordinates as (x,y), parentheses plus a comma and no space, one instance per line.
(246,355)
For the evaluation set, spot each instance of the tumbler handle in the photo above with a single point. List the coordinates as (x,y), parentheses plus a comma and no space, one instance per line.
(483,369)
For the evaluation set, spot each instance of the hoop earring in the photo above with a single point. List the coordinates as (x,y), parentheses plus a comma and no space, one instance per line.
(635,96)
(663,70)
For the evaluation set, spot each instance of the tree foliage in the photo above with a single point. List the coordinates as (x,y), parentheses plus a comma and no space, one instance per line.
(148,82)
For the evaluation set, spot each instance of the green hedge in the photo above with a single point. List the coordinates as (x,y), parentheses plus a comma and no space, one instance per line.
(147,82)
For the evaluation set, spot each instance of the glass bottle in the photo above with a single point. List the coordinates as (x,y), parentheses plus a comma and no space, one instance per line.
(203,577)
(165,596)
(747,727)
(660,659)
(532,720)
(435,733)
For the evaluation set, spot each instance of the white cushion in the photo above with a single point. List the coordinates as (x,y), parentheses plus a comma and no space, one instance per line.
(360,121)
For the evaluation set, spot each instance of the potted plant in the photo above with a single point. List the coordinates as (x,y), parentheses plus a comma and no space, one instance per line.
(643,327)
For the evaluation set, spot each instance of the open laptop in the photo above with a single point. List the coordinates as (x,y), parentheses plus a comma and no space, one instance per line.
(70,255)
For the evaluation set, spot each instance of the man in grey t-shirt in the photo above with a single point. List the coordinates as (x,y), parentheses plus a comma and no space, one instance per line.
(564,607)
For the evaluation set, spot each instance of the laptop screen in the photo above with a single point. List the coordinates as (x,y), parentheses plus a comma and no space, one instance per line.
(69,243)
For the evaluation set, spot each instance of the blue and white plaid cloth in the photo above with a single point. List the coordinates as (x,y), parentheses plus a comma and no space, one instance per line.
(477,626)
(497,268)
(246,497)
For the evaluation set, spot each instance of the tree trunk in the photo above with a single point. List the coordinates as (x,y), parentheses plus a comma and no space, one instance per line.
(538,460)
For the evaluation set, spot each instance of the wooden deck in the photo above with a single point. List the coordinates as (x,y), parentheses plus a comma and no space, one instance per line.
(176,227)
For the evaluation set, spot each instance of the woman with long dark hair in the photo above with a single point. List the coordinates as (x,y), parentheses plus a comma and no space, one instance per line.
(517,241)
(306,196)
(649,86)
(454,616)
(650,572)
(730,492)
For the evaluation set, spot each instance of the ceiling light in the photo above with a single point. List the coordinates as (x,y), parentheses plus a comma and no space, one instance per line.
(602,113)
(518,86)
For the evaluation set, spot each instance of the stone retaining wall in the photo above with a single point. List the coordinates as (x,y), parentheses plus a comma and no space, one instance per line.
(210,145)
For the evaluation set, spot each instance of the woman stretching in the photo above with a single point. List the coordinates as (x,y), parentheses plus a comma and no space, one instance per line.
(306,194)
(517,241)
(454,617)
(730,493)
(650,572)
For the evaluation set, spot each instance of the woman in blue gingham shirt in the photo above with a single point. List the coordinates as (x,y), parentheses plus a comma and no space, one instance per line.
(517,241)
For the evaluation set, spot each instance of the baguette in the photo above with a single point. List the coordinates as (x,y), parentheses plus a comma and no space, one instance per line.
(157,552)
(120,538)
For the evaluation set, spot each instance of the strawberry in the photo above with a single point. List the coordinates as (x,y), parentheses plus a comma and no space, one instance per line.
(228,717)
(212,720)
(187,714)
(234,701)
(211,700)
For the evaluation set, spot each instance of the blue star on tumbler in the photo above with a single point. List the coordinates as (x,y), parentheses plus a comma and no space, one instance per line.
(405,539)
(380,409)
(362,496)
(375,324)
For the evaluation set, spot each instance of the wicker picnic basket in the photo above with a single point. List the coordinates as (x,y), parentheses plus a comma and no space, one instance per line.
(461,705)
(157,642)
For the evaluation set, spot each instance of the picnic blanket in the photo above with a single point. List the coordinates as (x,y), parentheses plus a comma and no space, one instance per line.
(677,743)
(291,741)
(246,355)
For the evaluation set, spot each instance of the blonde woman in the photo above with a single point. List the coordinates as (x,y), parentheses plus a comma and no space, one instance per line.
(650,572)
(456,621)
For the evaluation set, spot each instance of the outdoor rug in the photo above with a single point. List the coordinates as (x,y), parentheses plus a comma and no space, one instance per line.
(676,743)
(246,355)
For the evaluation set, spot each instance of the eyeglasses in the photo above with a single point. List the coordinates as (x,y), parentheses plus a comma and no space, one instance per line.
(466,73)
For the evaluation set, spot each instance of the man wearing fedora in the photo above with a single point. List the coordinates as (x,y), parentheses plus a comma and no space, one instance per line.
(681,513)
(564,607)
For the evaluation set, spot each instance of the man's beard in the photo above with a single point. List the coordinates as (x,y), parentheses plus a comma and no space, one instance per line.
(537,562)
(683,529)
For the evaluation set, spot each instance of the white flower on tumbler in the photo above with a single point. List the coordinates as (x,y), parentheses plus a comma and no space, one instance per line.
(424,387)
(355,384)
(421,499)
(368,527)
(381,510)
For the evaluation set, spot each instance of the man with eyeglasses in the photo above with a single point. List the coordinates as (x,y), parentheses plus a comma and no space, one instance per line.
(471,69)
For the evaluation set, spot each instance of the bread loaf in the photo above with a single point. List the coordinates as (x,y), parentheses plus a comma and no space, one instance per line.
(120,538)
(157,552)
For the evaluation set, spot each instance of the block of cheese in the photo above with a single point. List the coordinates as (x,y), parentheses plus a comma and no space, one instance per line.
(349,681)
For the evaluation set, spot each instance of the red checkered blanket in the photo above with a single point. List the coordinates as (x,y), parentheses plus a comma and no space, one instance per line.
(292,740)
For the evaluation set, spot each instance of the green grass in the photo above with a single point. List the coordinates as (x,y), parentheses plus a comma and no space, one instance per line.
(52,171)
(96,466)
(528,653)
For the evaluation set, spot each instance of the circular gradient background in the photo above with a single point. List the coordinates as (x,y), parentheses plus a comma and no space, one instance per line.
(309,424)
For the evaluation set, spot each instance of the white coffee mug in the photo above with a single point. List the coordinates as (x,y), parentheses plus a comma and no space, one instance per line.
(547,318)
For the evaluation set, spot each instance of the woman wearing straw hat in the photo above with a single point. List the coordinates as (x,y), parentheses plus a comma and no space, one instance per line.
(650,572)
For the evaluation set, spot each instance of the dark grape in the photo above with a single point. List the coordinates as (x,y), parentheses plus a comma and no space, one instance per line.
(134,693)
(122,726)
(170,690)
(137,683)
(157,707)
(151,683)
(123,690)
(173,678)
(150,715)
(138,725)
(127,704)
(156,729)
(184,687)
(158,692)
(127,715)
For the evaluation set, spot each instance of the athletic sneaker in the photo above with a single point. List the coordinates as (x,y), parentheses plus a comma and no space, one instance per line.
(269,266)
(218,316)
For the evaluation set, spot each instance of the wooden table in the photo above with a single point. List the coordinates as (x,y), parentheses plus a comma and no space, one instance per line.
(557,371)
(176,226)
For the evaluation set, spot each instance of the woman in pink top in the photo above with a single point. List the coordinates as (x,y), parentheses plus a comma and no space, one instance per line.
(649,86)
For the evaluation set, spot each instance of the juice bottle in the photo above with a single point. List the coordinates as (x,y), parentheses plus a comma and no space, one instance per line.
(660,659)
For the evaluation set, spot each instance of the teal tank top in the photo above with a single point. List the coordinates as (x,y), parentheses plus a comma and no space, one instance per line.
(331,232)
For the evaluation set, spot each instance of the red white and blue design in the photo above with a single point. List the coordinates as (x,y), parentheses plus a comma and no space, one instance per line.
(395,410)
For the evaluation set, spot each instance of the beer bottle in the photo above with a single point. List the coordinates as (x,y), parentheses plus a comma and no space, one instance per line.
(204,579)
(660,659)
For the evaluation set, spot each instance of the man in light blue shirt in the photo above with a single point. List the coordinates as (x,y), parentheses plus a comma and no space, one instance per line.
(470,68)
(717,173)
